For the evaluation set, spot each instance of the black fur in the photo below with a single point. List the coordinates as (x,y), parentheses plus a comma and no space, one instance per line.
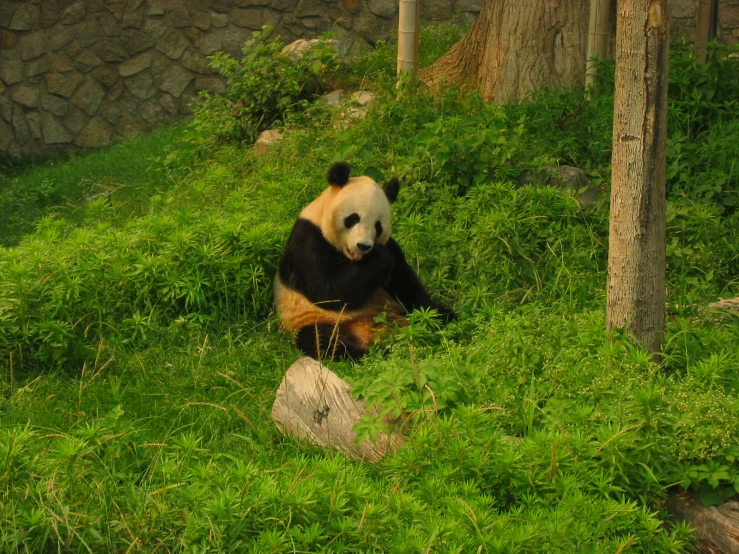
(392,189)
(315,268)
(325,341)
(338,174)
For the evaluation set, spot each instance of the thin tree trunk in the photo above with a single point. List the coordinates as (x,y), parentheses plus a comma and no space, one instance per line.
(636,257)
(515,47)
(598,35)
(408,24)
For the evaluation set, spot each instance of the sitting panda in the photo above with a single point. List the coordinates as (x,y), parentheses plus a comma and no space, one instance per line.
(341,269)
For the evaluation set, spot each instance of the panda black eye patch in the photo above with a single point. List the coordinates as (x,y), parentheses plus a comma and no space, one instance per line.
(351,220)
(378,229)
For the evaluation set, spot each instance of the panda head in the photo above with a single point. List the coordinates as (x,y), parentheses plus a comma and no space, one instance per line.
(356,212)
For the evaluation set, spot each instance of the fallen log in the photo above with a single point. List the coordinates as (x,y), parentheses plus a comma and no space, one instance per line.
(314,404)
(716,527)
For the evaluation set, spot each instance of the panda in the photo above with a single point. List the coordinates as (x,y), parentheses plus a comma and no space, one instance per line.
(341,269)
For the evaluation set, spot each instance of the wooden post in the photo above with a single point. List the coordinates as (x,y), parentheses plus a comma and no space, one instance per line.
(636,252)
(313,403)
(408,24)
(598,32)
(716,527)
(702,27)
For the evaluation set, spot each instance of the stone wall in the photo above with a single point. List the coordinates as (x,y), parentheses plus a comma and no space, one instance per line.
(80,73)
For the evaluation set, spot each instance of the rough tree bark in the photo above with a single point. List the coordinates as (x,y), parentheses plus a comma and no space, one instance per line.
(515,47)
(636,256)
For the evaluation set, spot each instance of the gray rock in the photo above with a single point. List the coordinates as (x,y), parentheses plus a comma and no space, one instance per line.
(251,3)
(156,28)
(173,44)
(136,41)
(155,7)
(88,32)
(175,80)
(167,102)
(54,132)
(383,8)
(112,51)
(62,84)
(20,126)
(96,134)
(219,19)
(369,26)
(88,96)
(32,45)
(6,108)
(271,18)
(333,98)
(352,6)
(74,14)
(95,6)
(34,124)
(221,6)
(8,40)
(114,92)
(284,5)
(6,135)
(266,140)
(177,14)
(130,126)
(11,67)
(73,49)
(211,42)
(26,17)
(75,120)
(111,113)
(51,12)
(141,85)
(106,75)
(109,24)
(439,10)
(54,104)
(58,37)
(39,66)
(199,17)
(196,62)
(211,84)
(152,112)
(86,61)
(116,8)
(251,18)
(461,6)
(26,95)
(193,36)
(133,16)
(61,63)
(563,177)
(159,62)
(308,8)
(135,65)
(234,39)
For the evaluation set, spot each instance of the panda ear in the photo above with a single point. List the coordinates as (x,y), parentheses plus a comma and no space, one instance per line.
(338,174)
(391,189)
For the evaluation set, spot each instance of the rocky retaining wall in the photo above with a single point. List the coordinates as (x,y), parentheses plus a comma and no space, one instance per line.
(79,73)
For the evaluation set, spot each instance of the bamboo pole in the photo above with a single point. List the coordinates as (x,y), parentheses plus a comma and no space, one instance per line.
(598,33)
(408,22)
(702,26)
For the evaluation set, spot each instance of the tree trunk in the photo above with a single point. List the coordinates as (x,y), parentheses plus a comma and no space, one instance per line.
(515,47)
(636,256)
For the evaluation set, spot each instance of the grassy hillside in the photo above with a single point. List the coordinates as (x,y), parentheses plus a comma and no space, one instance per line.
(139,353)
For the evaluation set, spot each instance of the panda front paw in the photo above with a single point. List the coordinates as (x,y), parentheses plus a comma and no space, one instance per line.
(446,315)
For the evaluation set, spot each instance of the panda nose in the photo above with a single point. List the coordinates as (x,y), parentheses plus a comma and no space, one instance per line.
(364,247)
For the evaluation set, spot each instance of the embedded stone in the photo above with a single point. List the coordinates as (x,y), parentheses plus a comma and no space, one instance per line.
(88,96)
(58,37)
(32,45)
(221,6)
(369,26)
(251,18)
(285,5)
(105,75)
(88,32)
(34,124)
(111,113)
(211,42)
(193,36)
(136,41)
(133,17)
(135,65)
(173,44)
(363,97)
(159,62)
(211,84)
(6,108)
(74,14)
(26,95)
(114,92)
(51,12)
(54,104)
(116,7)
(111,51)
(75,120)
(155,7)
(234,39)
(2,87)
(95,5)
(6,135)
(54,132)
(177,14)
(156,28)
(26,17)
(7,39)
(62,84)
(467,6)
(167,102)
(310,22)
(109,24)
(199,18)
(352,6)
(308,8)
(175,80)
(383,8)
(439,9)
(219,19)
(271,18)
(73,49)
(39,65)
(86,61)
(11,67)
(333,98)
(151,113)
(730,16)
(20,125)
(196,62)
(141,85)
(131,126)
(96,134)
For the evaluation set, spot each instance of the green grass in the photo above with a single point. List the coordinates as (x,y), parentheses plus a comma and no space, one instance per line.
(140,356)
